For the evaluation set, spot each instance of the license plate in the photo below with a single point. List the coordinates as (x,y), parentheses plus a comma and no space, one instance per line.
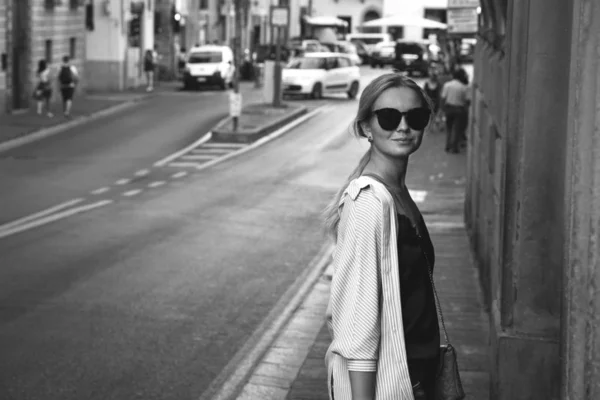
(201,79)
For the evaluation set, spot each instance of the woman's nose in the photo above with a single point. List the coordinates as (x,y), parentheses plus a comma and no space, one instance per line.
(403,126)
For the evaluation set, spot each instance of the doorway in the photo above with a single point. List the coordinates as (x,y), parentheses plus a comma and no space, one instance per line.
(20,54)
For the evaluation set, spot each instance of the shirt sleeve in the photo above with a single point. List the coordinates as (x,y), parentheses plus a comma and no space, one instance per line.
(356,284)
(444,91)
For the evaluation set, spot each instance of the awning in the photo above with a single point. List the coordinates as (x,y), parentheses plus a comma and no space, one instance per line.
(405,20)
(325,21)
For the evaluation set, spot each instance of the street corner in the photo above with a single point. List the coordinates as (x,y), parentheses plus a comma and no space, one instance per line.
(256,121)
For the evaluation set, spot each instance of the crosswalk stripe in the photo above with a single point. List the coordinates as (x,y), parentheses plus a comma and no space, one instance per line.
(198,157)
(184,165)
(224,145)
(212,150)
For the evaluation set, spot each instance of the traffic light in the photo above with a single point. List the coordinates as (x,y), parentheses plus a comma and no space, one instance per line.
(175,20)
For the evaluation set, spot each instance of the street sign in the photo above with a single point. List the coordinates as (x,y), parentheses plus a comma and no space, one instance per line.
(462,20)
(235,104)
(463,3)
(279,16)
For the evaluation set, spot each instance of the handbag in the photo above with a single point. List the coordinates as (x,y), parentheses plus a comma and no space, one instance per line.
(448,385)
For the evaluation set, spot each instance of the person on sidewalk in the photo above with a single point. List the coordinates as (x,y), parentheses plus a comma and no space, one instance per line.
(433,88)
(381,313)
(455,103)
(43,89)
(68,77)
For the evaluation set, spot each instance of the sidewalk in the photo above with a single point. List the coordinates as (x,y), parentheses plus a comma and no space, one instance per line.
(85,105)
(293,368)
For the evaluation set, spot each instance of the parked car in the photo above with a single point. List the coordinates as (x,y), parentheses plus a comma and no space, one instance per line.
(383,54)
(370,40)
(363,51)
(412,57)
(317,74)
(209,65)
(346,48)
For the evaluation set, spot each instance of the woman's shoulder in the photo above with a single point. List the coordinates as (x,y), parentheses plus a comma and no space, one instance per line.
(369,191)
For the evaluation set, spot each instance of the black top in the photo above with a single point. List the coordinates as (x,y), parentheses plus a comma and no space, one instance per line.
(419,315)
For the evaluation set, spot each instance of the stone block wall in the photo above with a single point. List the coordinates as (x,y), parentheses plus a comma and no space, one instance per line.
(3,54)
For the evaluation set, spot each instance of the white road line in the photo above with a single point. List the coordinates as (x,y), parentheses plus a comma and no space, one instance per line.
(132,192)
(185,165)
(156,184)
(218,145)
(53,217)
(262,140)
(198,157)
(142,172)
(179,174)
(40,214)
(122,182)
(212,150)
(100,191)
(181,152)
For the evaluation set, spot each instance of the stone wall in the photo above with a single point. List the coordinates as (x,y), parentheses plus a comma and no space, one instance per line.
(3,54)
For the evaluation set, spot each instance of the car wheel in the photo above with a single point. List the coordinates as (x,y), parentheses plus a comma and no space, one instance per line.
(373,65)
(317,91)
(353,91)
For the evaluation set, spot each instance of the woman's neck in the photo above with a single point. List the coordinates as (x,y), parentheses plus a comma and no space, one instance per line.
(393,172)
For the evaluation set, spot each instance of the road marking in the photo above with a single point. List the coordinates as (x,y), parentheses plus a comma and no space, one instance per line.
(142,172)
(185,165)
(53,217)
(40,214)
(132,192)
(198,157)
(212,150)
(240,367)
(181,152)
(179,174)
(101,190)
(156,184)
(224,145)
(262,140)
(122,182)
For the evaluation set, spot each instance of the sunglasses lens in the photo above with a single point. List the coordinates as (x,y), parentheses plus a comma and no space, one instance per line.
(388,118)
(418,118)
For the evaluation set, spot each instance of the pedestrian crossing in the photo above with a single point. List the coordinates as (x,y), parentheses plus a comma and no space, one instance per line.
(205,153)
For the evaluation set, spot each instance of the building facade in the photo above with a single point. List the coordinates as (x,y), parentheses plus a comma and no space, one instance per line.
(354,12)
(118,32)
(430,9)
(532,204)
(3,53)
(36,30)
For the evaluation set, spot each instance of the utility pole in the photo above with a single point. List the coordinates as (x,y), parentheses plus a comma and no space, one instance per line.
(235,100)
(310,8)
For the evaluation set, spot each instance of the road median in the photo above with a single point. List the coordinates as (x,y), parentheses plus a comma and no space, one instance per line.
(256,121)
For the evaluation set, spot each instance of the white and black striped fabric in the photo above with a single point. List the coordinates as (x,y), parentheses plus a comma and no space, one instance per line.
(364,313)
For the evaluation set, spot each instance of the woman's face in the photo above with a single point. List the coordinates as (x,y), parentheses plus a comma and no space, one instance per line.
(401,141)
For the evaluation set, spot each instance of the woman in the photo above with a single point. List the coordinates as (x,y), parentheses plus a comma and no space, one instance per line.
(456,100)
(381,313)
(433,89)
(149,68)
(43,90)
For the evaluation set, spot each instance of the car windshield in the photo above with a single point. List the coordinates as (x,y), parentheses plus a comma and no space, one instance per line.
(204,57)
(306,63)
(409,48)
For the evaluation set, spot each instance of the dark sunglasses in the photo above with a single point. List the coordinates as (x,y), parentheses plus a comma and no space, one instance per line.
(389,118)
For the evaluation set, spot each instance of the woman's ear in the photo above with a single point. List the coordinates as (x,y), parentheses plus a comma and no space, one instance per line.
(365,127)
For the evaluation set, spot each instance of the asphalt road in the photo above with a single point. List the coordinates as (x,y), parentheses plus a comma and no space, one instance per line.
(151,294)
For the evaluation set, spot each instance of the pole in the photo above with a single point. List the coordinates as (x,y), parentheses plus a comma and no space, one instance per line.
(237,54)
(310,2)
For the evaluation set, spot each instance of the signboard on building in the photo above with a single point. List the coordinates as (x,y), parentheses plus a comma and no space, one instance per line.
(463,3)
(462,20)
(279,16)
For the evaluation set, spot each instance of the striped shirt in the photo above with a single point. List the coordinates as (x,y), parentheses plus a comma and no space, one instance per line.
(364,313)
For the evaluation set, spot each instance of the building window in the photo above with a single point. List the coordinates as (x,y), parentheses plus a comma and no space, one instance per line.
(203,4)
(4,62)
(74,4)
(49,4)
(48,51)
(73,48)
(89,16)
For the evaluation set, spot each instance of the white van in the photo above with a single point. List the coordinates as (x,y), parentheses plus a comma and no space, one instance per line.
(369,39)
(209,65)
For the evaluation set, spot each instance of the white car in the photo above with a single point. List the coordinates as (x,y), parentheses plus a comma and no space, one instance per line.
(209,65)
(316,74)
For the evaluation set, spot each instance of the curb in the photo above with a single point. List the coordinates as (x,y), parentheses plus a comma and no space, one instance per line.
(56,129)
(232,379)
(221,135)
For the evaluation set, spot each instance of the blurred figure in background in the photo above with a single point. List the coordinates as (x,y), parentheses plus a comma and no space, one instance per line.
(433,88)
(149,68)
(455,100)
(43,90)
(68,77)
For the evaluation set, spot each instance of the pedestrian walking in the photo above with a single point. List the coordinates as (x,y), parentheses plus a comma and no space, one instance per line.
(382,313)
(433,88)
(150,58)
(43,89)
(68,77)
(456,99)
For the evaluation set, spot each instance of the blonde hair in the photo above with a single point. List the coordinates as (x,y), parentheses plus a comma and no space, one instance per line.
(365,109)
